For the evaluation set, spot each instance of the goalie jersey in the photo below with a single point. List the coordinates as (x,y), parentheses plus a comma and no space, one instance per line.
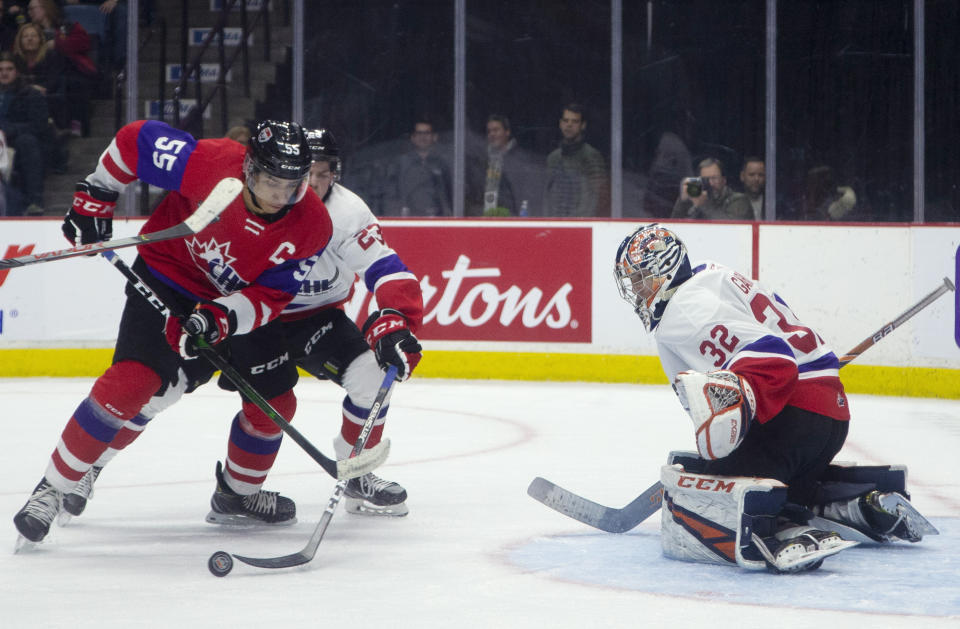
(252,264)
(357,248)
(719,319)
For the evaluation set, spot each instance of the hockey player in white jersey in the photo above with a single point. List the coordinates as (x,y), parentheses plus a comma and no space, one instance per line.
(326,343)
(769,414)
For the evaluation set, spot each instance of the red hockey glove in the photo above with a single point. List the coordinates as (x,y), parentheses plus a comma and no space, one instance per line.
(91,216)
(392,341)
(209,321)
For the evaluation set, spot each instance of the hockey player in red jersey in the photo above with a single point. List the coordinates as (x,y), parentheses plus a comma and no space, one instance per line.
(325,342)
(769,414)
(233,277)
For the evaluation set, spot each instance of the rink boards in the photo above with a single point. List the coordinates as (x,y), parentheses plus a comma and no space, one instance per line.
(536,300)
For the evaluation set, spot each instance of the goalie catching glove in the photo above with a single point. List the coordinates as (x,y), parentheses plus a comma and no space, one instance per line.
(209,321)
(90,218)
(392,341)
(721,405)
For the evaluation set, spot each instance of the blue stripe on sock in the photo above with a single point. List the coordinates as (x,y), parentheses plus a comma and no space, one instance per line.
(249,443)
(91,420)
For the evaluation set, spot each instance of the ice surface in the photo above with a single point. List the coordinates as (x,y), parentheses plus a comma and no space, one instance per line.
(475,550)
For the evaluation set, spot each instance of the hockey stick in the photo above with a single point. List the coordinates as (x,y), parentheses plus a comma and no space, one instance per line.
(310,550)
(615,520)
(216,202)
(887,328)
(349,468)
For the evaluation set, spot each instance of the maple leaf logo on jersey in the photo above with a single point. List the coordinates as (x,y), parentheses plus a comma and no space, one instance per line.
(215,260)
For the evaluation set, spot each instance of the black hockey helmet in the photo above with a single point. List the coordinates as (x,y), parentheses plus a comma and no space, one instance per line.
(324,148)
(280,149)
(277,150)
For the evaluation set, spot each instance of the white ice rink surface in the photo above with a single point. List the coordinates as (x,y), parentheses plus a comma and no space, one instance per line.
(475,550)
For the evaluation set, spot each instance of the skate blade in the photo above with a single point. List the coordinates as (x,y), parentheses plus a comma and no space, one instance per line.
(243,521)
(917,524)
(358,506)
(64,518)
(798,563)
(24,545)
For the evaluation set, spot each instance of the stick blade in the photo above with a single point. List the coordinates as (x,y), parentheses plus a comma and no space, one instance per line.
(216,202)
(596,515)
(287,561)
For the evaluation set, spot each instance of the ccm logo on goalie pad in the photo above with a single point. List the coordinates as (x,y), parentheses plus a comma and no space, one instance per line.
(706,484)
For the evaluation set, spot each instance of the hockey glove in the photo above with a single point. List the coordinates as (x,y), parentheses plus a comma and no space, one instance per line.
(392,341)
(721,405)
(209,320)
(91,215)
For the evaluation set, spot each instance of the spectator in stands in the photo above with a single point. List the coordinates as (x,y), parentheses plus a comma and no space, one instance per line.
(73,43)
(420,179)
(11,18)
(23,120)
(753,176)
(708,197)
(824,200)
(577,183)
(113,48)
(512,179)
(43,67)
(239,133)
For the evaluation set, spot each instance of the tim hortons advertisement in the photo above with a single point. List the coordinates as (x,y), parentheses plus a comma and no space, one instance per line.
(480,283)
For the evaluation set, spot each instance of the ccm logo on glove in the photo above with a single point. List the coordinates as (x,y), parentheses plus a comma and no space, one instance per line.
(392,341)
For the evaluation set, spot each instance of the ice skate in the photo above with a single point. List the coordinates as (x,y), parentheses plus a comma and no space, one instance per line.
(891,515)
(372,495)
(34,519)
(76,501)
(264,507)
(800,548)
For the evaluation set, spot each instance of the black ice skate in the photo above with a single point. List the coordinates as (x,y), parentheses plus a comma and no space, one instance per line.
(34,519)
(76,501)
(263,507)
(372,495)
(892,516)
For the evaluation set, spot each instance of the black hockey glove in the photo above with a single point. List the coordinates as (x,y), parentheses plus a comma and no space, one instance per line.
(209,320)
(91,215)
(392,341)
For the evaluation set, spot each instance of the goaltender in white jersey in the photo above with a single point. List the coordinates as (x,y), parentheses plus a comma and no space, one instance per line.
(769,414)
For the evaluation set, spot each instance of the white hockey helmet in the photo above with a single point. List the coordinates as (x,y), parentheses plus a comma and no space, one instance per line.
(651,264)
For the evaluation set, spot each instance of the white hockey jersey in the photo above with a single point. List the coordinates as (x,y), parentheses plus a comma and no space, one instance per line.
(719,319)
(357,248)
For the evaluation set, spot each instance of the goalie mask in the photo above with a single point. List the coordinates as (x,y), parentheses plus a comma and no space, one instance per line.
(277,163)
(651,264)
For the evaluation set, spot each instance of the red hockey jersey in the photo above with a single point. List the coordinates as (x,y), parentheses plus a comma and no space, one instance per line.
(253,265)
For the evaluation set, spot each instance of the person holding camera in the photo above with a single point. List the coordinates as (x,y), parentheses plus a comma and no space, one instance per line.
(707,197)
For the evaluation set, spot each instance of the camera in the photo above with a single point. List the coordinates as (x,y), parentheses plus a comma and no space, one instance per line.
(696,185)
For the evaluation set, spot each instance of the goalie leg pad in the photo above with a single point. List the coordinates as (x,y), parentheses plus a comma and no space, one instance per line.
(713,519)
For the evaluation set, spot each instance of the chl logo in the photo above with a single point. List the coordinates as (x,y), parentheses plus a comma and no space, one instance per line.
(215,260)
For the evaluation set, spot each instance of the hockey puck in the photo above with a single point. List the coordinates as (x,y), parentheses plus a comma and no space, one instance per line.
(220,563)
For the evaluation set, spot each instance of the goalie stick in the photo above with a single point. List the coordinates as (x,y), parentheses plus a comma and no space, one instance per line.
(209,211)
(348,468)
(310,550)
(613,520)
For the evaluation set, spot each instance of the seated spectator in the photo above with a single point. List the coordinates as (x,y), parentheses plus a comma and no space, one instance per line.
(824,200)
(23,120)
(113,48)
(11,18)
(708,197)
(43,68)
(239,133)
(73,43)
